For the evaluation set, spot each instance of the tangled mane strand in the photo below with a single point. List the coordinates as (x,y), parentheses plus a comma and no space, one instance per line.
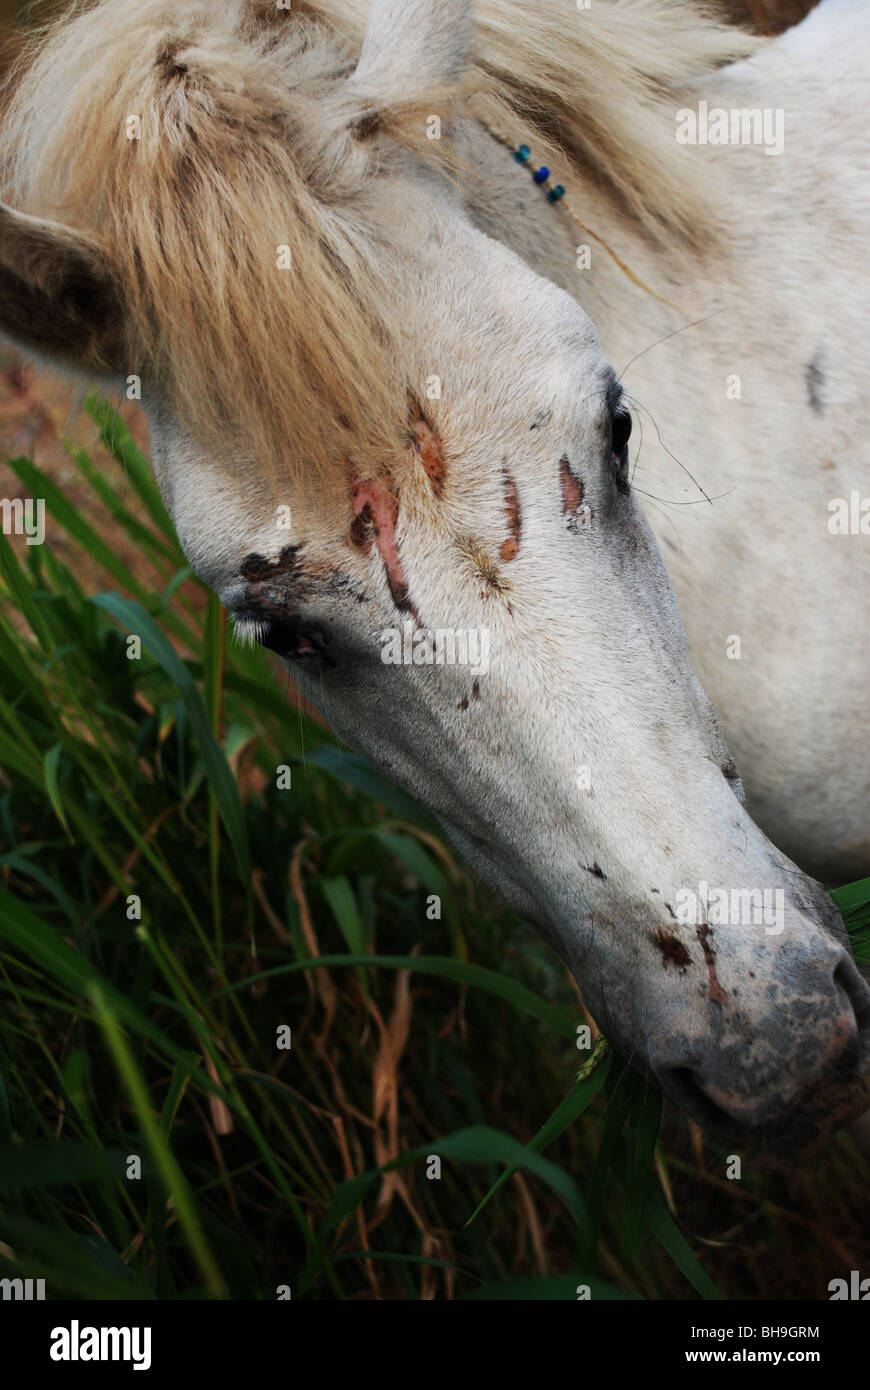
(246,144)
(601,88)
(237,157)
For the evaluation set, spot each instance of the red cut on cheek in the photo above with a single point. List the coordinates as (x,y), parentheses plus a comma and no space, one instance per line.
(572,489)
(376,515)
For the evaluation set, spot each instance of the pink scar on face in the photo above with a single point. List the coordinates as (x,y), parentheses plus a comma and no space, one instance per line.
(574,508)
(572,488)
(376,516)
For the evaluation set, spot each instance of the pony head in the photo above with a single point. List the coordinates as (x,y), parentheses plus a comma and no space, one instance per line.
(403,461)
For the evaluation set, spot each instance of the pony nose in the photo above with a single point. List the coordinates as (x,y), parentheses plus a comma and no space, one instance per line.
(768,1076)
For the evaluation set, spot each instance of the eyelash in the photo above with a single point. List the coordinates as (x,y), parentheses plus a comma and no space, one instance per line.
(620,434)
(620,430)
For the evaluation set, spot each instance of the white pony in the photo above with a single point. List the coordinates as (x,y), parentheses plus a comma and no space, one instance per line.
(404,273)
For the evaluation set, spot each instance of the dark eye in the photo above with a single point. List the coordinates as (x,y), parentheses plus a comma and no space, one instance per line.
(620,431)
(620,434)
(288,641)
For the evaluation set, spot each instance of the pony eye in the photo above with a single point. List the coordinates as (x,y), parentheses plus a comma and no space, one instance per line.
(620,431)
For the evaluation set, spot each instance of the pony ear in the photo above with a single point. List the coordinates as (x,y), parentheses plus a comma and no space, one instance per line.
(57,296)
(411,47)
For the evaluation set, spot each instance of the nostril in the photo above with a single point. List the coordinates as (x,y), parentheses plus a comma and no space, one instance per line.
(848,979)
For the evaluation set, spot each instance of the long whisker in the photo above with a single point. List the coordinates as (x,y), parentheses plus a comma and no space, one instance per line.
(637,404)
(668,336)
(699,501)
(648,496)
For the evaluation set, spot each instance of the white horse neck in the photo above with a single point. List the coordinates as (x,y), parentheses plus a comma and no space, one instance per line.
(752,394)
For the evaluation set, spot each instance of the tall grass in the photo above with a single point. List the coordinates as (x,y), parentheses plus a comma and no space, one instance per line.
(258,1037)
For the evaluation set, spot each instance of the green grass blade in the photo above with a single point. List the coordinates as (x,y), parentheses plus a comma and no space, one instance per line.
(51,763)
(574,1104)
(477,976)
(665,1229)
(119,442)
(221,779)
(173,1178)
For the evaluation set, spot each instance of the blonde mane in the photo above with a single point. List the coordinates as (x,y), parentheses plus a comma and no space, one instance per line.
(247,143)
